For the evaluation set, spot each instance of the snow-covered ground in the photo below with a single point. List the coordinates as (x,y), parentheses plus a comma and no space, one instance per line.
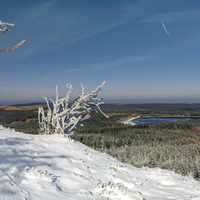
(56,167)
(129,121)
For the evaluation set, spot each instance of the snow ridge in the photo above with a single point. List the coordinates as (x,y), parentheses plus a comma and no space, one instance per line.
(57,167)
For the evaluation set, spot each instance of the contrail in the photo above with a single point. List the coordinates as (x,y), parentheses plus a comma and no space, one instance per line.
(165,28)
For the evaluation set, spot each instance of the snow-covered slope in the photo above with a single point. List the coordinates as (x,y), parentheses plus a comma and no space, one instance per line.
(56,167)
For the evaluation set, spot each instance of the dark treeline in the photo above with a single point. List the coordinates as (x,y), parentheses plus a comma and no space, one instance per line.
(9,116)
(175,109)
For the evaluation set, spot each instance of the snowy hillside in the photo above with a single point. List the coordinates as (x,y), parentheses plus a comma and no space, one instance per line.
(56,167)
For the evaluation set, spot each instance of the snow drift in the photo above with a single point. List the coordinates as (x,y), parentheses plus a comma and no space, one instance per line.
(57,167)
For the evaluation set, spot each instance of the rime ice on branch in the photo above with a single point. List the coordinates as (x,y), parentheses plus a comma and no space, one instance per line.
(63,118)
(4,31)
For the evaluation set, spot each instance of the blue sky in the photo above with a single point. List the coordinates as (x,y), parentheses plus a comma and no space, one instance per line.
(143,49)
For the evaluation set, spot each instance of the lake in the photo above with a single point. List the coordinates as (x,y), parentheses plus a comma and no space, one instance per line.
(162,119)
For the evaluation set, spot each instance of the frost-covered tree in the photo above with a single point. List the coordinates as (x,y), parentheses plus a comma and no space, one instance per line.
(63,118)
(4,30)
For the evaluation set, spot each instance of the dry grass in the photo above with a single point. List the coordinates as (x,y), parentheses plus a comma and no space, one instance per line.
(10,108)
(197,128)
(36,111)
(32,119)
(18,122)
(34,107)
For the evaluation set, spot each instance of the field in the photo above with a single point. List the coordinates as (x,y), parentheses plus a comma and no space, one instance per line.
(173,146)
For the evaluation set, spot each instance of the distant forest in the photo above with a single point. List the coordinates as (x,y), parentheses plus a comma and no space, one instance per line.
(29,111)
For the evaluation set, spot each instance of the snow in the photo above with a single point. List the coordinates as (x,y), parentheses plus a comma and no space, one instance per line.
(57,167)
(130,121)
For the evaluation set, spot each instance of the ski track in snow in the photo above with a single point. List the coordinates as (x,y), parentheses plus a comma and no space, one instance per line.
(56,167)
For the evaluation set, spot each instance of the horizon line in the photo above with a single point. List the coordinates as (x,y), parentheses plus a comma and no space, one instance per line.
(120,101)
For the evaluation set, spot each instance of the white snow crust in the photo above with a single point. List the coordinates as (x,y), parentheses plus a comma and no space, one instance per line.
(51,167)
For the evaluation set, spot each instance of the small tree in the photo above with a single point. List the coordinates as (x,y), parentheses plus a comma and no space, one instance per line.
(4,31)
(63,117)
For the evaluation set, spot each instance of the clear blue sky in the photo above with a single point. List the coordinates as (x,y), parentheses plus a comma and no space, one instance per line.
(143,49)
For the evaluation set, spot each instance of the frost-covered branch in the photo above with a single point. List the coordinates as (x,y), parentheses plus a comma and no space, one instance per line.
(4,31)
(14,47)
(62,118)
(2,24)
